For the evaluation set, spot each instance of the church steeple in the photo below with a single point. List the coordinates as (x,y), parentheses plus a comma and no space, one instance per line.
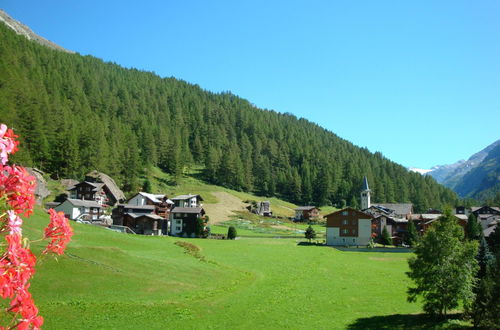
(365,195)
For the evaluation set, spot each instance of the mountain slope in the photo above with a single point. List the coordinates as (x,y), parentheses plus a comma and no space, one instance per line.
(22,29)
(483,181)
(76,114)
(470,177)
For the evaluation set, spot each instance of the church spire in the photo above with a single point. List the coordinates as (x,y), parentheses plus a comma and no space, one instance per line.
(365,195)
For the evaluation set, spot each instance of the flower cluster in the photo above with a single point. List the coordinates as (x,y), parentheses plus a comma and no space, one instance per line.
(58,231)
(8,143)
(17,262)
(18,187)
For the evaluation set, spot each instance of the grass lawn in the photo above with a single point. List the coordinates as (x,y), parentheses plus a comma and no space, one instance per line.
(109,280)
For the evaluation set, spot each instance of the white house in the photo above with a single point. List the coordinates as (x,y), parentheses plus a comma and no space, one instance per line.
(348,227)
(74,208)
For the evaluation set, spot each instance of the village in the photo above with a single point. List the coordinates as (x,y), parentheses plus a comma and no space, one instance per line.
(98,200)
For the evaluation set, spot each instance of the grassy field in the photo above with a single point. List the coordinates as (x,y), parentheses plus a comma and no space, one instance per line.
(109,280)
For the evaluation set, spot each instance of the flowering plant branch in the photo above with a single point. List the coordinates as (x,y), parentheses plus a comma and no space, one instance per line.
(17,262)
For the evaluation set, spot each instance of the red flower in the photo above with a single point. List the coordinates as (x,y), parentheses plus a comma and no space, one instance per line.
(19,187)
(8,143)
(59,231)
(23,304)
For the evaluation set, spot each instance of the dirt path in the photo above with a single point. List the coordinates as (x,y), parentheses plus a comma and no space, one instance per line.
(223,209)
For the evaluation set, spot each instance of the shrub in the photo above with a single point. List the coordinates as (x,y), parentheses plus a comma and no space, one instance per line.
(231,232)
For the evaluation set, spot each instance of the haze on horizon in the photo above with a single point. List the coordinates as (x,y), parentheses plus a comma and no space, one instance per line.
(418,82)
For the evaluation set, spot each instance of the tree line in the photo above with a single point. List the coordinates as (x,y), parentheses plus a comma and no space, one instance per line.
(77,113)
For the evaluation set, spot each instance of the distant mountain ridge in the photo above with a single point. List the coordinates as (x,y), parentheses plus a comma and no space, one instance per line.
(475,177)
(22,29)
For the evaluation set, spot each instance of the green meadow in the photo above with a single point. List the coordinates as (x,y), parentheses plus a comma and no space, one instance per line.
(109,280)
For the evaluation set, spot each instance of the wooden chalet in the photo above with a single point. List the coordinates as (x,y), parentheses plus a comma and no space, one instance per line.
(306,213)
(348,227)
(183,220)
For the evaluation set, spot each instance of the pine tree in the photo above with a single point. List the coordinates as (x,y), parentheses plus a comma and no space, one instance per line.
(473,229)
(386,238)
(412,236)
(484,312)
(310,234)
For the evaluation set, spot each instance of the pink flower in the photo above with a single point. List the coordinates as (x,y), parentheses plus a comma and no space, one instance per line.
(15,223)
(8,143)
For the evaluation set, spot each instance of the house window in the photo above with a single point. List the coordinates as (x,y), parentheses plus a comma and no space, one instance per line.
(345,222)
(345,213)
(354,240)
(354,231)
(353,222)
(178,222)
(178,228)
(86,210)
(343,240)
(345,231)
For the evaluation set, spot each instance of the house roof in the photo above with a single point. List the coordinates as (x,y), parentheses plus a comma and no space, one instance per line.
(350,209)
(155,198)
(194,210)
(138,207)
(305,208)
(110,183)
(184,197)
(404,208)
(488,231)
(429,216)
(84,203)
(365,184)
(148,215)
(461,216)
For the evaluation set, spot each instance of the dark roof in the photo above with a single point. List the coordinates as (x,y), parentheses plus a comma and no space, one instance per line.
(365,184)
(184,197)
(350,209)
(138,207)
(110,183)
(305,208)
(148,215)
(84,203)
(405,208)
(487,232)
(195,210)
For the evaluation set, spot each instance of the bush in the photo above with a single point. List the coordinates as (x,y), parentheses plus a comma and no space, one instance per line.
(231,232)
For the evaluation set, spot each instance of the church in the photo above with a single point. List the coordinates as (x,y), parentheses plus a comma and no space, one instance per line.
(394,216)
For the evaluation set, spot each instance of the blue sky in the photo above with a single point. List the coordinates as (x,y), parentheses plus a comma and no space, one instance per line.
(418,81)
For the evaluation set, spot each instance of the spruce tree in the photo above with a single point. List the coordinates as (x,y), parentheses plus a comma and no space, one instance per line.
(412,236)
(231,232)
(473,229)
(310,234)
(386,238)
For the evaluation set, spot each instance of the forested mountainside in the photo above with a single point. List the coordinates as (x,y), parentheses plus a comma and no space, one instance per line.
(483,181)
(477,177)
(76,113)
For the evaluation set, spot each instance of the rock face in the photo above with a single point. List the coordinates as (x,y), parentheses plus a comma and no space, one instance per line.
(22,29)
(41,190)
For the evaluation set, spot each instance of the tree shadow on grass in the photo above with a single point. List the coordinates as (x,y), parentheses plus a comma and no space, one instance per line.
(407,321)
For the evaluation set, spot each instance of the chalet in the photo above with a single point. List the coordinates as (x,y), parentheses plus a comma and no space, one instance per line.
(144,213)
(348,227)
(393,216)
(306,213)
(141,219)
(76,209)
(183,220)
(188,201)
(162,204)
(264,209)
